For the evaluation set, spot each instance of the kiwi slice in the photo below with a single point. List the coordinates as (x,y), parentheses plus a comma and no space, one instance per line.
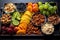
(15,22)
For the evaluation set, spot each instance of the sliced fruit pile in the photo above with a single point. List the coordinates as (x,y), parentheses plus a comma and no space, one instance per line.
(16,18)
(30,18)
(25,20)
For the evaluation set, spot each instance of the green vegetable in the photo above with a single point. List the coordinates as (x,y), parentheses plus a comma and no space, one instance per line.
(15,17)
(15,22)
(18,18)
(18,14)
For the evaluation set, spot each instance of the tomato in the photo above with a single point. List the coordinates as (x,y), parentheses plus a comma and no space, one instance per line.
(32,7)
(35,4)
(29,8)
(35,7)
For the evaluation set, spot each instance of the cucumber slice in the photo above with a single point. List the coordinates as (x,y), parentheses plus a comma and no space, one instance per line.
(14,14)
(13,18)
(18,18)
(15,22)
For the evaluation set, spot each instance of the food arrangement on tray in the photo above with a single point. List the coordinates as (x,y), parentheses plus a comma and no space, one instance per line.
(29,18)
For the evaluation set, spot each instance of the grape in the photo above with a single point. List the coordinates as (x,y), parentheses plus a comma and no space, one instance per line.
(50,8)
(47,9)
(44,12)
(52,11)
(40,3)
(46,3)
(47,13)
(55,7)
(45,6)
(41,7)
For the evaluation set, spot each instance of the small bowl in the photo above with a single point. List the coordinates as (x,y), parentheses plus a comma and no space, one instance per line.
(21,7)
(10,11)
(45,29)
(40,24)
(54,22)
(7,22)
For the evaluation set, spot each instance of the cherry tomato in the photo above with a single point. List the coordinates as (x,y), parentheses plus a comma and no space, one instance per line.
(35,4)
(35,7)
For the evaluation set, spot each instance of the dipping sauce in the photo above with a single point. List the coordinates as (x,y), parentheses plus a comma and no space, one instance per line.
(47,28)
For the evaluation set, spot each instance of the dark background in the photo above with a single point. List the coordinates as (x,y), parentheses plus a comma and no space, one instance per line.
(57,32)
(26,1)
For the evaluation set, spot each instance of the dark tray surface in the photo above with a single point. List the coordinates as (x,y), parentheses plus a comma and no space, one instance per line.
(57,31)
